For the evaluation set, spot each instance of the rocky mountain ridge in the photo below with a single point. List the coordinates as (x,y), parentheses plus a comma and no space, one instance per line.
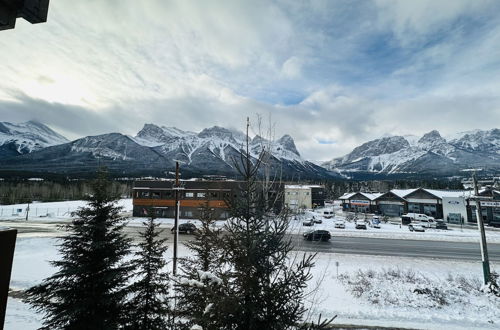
(155,149)
(431,154)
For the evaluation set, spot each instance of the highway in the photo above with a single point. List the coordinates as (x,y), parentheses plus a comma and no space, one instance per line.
(398,247)
(346,245)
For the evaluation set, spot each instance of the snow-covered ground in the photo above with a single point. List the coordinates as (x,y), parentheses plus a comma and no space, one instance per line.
(49,212)
(57,212)
(475,311)
(330,294)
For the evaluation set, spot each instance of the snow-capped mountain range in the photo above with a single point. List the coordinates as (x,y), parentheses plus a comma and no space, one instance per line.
(34,147)
(155,149)
(429,154)
(219,141)
(23,138)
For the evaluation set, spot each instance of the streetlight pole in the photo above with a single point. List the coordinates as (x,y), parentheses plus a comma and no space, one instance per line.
(480,224)
(176,220)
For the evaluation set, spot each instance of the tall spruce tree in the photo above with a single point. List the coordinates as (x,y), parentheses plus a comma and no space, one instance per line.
(257,282)
(89,288)
(148,306)
(200,291)
(267,282)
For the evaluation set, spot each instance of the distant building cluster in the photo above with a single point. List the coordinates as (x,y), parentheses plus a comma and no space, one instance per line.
(158,196)
(304,196)
(452,206)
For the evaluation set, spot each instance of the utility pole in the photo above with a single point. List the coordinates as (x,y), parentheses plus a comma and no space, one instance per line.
(27,211)
(176,220)
(480,224)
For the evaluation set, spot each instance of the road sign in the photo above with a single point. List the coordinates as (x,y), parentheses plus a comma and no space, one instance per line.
(491,204)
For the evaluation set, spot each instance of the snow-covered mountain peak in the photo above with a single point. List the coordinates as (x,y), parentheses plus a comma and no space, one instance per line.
(153,135)
(431,137)
(434,142)
(430,153)
(218,132)
(27,137)
(485,141)
(287,142)
(385,145)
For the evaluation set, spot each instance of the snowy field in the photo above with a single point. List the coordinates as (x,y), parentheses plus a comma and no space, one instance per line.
(58,212)
(330,295)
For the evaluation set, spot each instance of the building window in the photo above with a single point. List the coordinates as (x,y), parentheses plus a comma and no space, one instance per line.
(307,193)
(484,213)
(214,194)
(200,195)
(155,195)
(496,214)
(145,194)
(430,209)
(189,194)
(413,208)
(188,213)
(167,194)
(454,218)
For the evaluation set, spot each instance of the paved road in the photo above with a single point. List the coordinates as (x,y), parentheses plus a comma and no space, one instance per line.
(347,245)
(398,247)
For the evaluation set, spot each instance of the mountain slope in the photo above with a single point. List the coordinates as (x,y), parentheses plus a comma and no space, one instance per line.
(216,149)
(118,152)
(154,150)
(430,155)
(23,138)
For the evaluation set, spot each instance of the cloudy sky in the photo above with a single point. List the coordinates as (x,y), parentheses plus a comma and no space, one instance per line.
(333,74)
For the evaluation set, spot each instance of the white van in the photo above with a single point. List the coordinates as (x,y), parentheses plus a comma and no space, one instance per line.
(425,220)
(328,214)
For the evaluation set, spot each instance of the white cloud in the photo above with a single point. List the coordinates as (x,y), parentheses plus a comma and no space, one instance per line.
(292,67)
(330,71)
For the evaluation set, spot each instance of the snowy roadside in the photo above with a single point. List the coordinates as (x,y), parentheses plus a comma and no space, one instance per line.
(329,294)
(50,214)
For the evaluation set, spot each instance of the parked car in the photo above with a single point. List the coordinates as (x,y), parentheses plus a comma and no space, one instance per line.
(427,223)
(308,222)
(328,214)
(375,222)
(185,228)
(317,220)
(416,227)
(440,224)
(340,224)
(317,235)
(360,224)
(405,220)
(419,217)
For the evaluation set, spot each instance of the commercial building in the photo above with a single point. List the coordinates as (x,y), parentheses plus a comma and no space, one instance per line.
(362,202)
(490,207)
(392,203)
(452,206)
(159,196)
(304,196)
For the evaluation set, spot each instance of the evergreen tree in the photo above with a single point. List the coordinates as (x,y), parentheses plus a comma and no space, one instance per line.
(148,307)
(266,282)
(261,282)
(200,291)
(89,288)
